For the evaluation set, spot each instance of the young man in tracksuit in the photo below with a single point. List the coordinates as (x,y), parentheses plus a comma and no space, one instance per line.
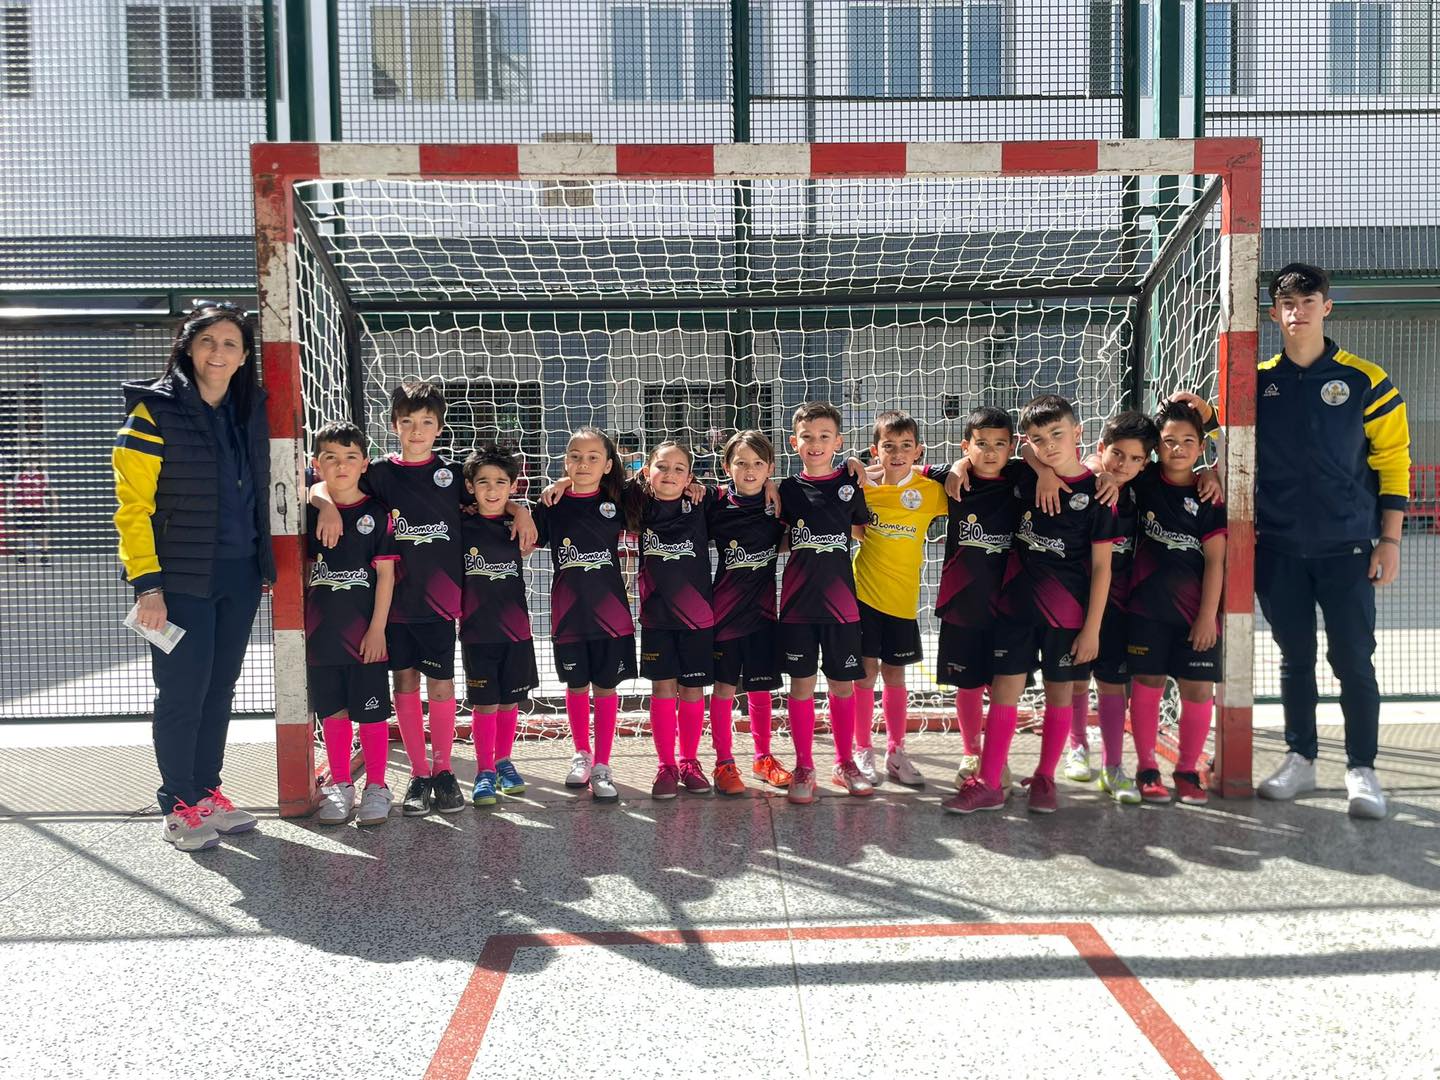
(1332,476)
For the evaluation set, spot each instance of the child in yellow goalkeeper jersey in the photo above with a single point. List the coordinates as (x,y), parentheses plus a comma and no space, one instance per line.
(902,504)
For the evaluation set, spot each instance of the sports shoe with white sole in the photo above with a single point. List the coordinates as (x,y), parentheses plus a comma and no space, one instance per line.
(847,776)
(865,762)
(1295,776)
(580,766)
(1118,786)
(375,803)
(188,829)
(1367,797)
(337,804)
(227,818)
(801,791)
(899,768)
(602,787)
(1077,765)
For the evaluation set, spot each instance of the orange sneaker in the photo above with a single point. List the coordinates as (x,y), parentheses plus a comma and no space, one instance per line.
(770,770)
(728,780)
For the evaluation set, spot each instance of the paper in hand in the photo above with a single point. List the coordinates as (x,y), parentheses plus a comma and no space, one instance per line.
(165,639)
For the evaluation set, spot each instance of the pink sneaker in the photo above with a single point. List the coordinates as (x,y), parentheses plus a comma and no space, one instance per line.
(1042,795)
(1188,789)
(974,795)
(802,786)
(667,783)
(692,777)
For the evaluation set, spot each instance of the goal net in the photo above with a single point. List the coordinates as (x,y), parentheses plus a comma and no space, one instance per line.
(686,292)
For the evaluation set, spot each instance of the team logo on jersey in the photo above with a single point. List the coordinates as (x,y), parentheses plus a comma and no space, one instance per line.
(884,528)
(802,539)
(1192,506)
(607,509)
(1335,392)
(970,533)
(910,499)
(366,525)
(846,492)
(1271,390)
(769,509)
(736,557)
(651,545)
(1027,535)
(1079,501)
(1175,541)
(444,478)
(568,556)
(340,580)
(476,566)
(419,534)
(685,506)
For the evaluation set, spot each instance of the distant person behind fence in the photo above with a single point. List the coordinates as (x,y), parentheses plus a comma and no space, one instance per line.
(32,508)
(191,465)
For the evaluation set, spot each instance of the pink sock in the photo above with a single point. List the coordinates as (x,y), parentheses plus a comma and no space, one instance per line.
(375,748)
(506,721)
(864,716)
(1145,722)
(971,716)
(760,704)
(999,731)
(482,726)
(577,711)
(607,719)
(722,733)
(692,727)
(663,725)
(1080,717)
(842,726)
(1052,739)
(1194,726)
(895,703)
(411,719)
(338,734)
(442,733)
(1112,729)
(802,730)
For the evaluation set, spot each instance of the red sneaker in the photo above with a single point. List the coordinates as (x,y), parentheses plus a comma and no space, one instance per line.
(1042,799)
(692,777)
(667,783)
(769,769)
(1151,789)
(728,780)
(1188,789)
(974,795)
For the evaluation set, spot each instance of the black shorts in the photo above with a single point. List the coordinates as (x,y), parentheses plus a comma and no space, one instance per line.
(1161,648)
(802,646)
(499,673)
(893,640)
(967,656)
(601,662)
(751,662)
(1020,648)
(360,690)
(428,647)
(682,655)
(1112,663)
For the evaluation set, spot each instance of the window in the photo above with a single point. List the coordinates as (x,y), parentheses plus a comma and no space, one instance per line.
(665,52)
(1359,48)
(466,52)
(1221,64)
(1107,48)
(1221,52)
(166,46)
(761,81)
(15,76)
(942,50)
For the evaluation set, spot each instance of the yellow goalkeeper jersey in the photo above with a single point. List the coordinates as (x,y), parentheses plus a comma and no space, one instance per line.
(887,568)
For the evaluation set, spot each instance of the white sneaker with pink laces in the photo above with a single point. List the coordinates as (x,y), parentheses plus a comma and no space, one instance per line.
(189,829)
(223,815)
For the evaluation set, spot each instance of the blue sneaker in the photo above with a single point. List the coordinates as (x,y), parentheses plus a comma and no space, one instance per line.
(511,782)
(484,789)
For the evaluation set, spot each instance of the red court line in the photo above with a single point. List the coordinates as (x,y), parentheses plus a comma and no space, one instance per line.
(455,1056)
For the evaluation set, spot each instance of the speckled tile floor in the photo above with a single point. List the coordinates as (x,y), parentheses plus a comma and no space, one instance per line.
(1248,939)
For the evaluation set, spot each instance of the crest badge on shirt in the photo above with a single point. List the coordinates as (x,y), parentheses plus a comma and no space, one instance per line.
(1192,506)
(444,478)
(607,509)
(769,509)
(366,525)
(910,499)
(1079,501)
(1335,392)
(846,493)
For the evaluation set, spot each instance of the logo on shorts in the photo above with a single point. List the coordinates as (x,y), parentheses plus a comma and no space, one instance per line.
(1271,390)
(850,660)
(846,492)
(1192,506)
(1068,660)
(607,509)
(910,499)
(366,525)
(1335,392)
(321,574)
(444,478)
(1079,501)
(372,703)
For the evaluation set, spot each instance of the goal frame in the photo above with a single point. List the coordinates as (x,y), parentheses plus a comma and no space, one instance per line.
(277,167)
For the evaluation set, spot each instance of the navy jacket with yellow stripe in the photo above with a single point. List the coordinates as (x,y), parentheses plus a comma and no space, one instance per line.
(1333,451)
(166,466)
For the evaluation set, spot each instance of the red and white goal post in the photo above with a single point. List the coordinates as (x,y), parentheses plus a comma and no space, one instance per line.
(640,286)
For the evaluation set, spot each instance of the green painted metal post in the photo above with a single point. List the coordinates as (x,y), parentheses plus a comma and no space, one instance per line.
(1130,52)
(741,388)
(272,71)
(297,66)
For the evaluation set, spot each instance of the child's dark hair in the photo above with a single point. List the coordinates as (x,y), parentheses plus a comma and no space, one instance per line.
(342,433)
(643,480)
(1179,412)
(753,440)
(1131,424)
(1045,410)
(416,395)
(816,410)
(491,455)
(612,484)
(895,423)
(988,416)
(1299,279)
(244,386)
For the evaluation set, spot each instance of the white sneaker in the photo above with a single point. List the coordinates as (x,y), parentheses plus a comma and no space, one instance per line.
(1077,764)
(374,805)
(1118,786)
(602,788)
(337,804)
(1295,776)
(189,829)
(579,774)
(1367,798)
(847,776)
(224,815)
(899,768)
(865,762)
(969,766)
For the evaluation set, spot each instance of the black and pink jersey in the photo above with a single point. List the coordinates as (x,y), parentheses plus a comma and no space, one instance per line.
(747,533)
(587,597)
(978,531)
(1122,552)
(1169,568)
(1047,579)
(424,499)
(675,565)
(819,581)
(340,582)
(494,609)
